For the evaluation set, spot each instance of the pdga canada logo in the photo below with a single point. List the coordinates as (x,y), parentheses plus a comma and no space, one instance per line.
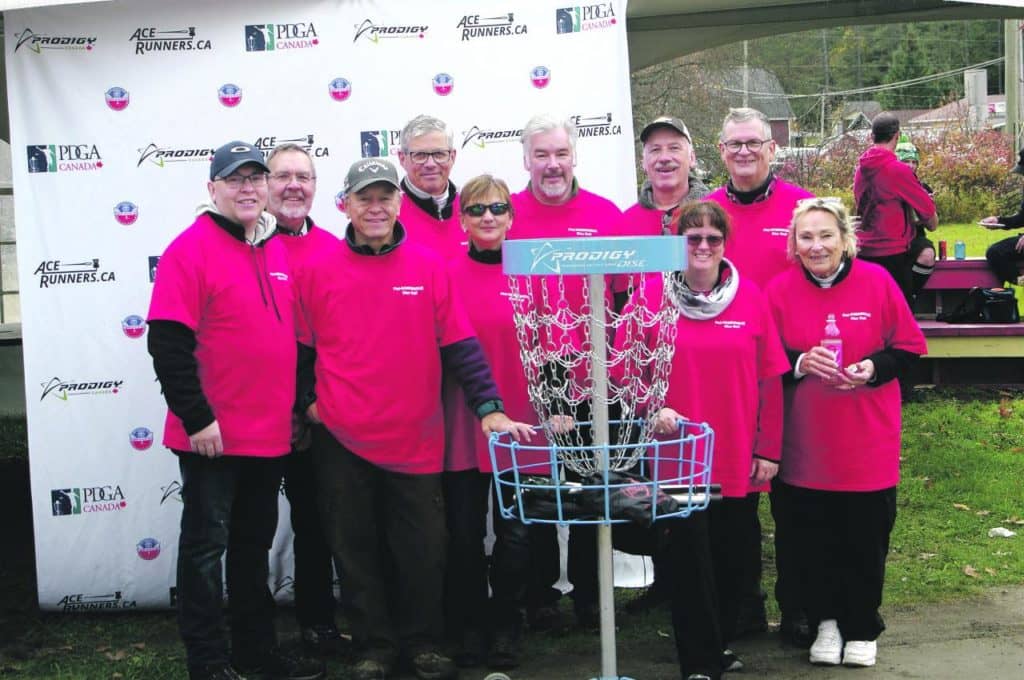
(475,26)
(148,549)
(63,157)
(134,326)
(379,143)
(37,42)
(126,213)
(600,125)
(308,142)
(443,84)
(80,602)
(340,89)
(54,273)
(141,438)
(117,98)
(585,18)
(540,76)
(161,155)
(481,137)
(86,499)
(62,389)
(368,30)
(230,95)
(148,39)
(270,37)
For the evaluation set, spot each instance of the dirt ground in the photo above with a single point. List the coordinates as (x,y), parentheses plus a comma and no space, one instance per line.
(982,638)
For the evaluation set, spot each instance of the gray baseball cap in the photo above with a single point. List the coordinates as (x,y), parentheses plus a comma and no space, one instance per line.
(665,121)
(234,155)
(369,171)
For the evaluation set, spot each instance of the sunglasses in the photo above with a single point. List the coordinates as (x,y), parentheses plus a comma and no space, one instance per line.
(478,209)
(713,241)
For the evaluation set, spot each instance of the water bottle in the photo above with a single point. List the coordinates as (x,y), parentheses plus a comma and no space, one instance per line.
(960,250)
(832,342)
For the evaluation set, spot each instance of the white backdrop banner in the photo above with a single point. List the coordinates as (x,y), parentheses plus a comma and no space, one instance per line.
(115,110)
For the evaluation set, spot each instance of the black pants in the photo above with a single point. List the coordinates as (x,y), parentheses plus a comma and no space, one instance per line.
(898,267)
(790,579)
(314,569)
(844,541)
(229,505)
(1004,259)
(735,536)
(386,532)
(465,501)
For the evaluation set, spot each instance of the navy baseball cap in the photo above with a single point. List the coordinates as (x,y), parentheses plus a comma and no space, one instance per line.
(234,155)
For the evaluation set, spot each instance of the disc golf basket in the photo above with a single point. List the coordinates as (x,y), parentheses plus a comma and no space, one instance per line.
(599,470)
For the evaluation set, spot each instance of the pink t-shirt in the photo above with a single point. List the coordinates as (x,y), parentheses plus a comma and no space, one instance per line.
(237,298)
(718,370)
(759,231)
(641,221)
(445,237)
(839,440)
(303,251)
(378,323)
(484,292)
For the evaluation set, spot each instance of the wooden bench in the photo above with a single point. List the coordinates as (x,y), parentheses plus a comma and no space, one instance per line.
(950,281)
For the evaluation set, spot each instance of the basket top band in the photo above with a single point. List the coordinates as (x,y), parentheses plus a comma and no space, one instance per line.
(597,255)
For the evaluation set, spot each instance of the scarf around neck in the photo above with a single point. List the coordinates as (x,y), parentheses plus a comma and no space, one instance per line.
(701,306)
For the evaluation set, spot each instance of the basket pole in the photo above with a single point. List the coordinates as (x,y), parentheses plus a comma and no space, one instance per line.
(599,432)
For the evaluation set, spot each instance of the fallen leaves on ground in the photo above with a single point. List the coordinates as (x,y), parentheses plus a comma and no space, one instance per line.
(971,571)
(961,506)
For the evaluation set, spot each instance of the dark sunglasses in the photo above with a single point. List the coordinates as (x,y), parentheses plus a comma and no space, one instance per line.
(713,241)
(478,209)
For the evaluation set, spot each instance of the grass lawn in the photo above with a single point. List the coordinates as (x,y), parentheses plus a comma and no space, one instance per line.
(963,461)
(975,237)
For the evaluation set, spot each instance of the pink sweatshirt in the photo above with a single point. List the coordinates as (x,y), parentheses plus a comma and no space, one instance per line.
(378,323)
(725,371)
(883,187)
(237,298)
(757,242)
(444,237)
(838,440)
(484,293)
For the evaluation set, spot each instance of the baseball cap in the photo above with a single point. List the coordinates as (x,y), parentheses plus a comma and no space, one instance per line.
(234,155)
(369,171)
(665,121)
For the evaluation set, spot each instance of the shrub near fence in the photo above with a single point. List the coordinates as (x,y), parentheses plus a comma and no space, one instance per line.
(969,171)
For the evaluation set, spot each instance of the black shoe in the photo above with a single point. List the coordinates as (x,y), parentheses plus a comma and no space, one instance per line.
(652,598)
(544,618)
(371,669)
(472,650)
(325,640)
(730,662)
(277,664)
(217,671)
(433,665)
(504,654)
(796,631)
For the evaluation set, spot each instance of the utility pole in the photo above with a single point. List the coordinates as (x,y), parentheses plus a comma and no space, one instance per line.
(1012,85)
(746,77)
(824,59)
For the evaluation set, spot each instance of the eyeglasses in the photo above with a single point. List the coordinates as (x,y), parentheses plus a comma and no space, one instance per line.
(256,179)
(478,209)
(713,241)
(441,156)
(753,145)
(288,177)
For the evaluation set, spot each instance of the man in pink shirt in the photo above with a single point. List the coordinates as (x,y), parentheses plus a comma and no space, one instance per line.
(760,208)
(292,187)
(430,200)
(379,322)
(890,202)
(223,345)
(553,205)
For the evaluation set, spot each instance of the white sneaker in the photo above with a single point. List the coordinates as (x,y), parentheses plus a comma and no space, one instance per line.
(828,646)
(860,653)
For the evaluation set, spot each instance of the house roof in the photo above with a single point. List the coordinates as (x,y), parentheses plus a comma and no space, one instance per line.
(954,111)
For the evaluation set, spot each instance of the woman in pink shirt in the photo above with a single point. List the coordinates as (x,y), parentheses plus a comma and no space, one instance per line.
(726,372)
(841,435)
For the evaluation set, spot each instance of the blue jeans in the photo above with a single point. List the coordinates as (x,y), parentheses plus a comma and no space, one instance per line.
(230,505)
